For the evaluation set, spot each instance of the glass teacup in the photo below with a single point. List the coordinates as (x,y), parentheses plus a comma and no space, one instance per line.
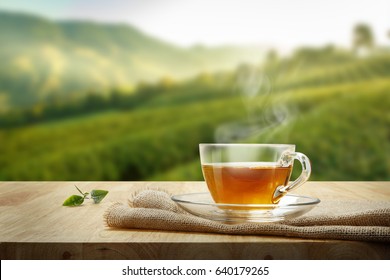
(251,173)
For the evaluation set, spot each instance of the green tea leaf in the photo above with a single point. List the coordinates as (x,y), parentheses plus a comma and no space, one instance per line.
(74,200)
(98,195)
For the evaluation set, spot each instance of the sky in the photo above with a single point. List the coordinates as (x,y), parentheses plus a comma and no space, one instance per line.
(284,24)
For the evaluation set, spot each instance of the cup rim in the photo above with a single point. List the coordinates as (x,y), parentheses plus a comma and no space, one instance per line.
(246,144)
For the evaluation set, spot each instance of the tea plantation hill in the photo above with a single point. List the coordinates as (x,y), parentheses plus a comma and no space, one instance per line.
(340,119)
(338,105)
(43,59)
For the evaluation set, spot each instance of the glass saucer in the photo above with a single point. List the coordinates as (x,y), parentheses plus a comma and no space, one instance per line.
(202,205)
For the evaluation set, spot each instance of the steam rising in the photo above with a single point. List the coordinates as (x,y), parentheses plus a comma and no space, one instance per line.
(265,110)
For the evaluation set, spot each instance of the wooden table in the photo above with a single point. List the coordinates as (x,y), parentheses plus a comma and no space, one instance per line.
(35,225)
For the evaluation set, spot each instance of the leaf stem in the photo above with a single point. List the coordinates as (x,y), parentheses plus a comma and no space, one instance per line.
(84,194)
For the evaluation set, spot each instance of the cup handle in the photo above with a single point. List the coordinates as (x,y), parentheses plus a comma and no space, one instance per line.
(305,174)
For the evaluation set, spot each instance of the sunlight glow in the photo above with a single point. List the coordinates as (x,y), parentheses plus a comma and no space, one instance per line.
(280,23)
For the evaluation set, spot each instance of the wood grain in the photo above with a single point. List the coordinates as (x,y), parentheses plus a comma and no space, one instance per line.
(35,225)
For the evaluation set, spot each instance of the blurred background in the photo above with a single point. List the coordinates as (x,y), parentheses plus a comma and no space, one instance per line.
(126,90)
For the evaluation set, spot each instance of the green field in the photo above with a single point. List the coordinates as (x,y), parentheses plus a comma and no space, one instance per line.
(346,135)
(335,111)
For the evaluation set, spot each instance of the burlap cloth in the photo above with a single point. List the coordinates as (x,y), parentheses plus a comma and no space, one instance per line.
(347,220)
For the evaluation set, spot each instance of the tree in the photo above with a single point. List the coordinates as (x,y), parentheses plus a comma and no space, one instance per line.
(363,38)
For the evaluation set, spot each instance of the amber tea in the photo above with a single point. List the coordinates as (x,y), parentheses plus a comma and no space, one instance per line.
(245,183)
